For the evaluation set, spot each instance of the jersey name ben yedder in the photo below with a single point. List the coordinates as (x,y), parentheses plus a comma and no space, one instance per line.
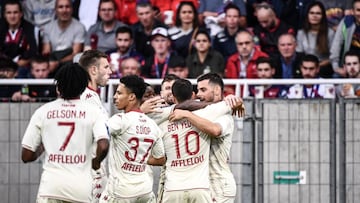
(134,136)
(187,151)
(67,129)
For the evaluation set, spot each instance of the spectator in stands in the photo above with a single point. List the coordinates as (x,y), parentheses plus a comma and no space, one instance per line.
(127,11)
(63,37)
(101,35)
(266,70)
(156,66)
(39,70)
(335,11)
(289,11)
(352,67)
(186,26)
(224,41)
(211,13)
(205,59)
(143,28)
(177,66)
(130,66)
(310,70)
(124,49)
(168,9)
(17,37)
(39,12)
(315,37)
(8,70)
(243,63)
(269,29)
(288,63)
(346,38)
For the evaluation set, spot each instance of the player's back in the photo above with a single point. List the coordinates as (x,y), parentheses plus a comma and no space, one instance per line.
(93,97)
(67,129)
(187,153)
(134,136)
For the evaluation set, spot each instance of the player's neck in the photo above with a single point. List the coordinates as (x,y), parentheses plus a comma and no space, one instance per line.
(132,106)
(92,85)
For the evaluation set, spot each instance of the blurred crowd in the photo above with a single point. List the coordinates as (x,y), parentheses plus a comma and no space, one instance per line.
(153,38)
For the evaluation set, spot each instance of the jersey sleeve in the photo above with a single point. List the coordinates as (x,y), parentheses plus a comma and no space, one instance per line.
(116,124)
(158,150)
(100,129)
(32,136)
(162,116)
(226,123)
(213,111)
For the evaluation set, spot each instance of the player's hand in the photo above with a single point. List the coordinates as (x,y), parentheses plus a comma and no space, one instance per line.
(152,105)
(237,105)
(95,164)
(178,114)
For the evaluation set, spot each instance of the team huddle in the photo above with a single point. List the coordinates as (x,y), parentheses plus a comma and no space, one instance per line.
(90,157)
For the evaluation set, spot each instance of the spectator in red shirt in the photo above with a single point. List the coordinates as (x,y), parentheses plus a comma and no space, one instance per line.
(243,63)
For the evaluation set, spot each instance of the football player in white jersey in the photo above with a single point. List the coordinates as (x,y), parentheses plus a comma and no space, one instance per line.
(187,151)
(65,130)
(96,64)
(98,67)
(222,183)
(135,141)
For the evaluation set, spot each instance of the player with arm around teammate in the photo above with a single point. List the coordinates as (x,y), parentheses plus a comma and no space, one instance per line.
(187,151)
(222,183)
(135,141)
(66,129)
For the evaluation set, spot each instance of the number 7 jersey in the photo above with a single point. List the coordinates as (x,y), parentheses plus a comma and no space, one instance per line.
(134,136)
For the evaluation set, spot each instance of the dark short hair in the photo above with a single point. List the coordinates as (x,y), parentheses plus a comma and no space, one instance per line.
(71,80)
(8,64)
(125,29)
(135,84)
(204,32)
(267,60)
(169,77)
(351,53)
(91,58)
(176,61)
(182,90)
(213,78)
(232,6)
(310,58)
(11,2)
(107,1)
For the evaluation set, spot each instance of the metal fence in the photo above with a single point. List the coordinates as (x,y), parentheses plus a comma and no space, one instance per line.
(283,151)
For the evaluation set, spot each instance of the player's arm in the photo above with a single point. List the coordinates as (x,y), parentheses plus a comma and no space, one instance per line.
(101,152)
(29,156)
(204,125)
(156,162)
(192,105)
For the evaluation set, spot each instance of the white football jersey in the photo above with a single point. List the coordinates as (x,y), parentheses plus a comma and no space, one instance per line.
(67,129)
(92,96)
(219,157)
(134,136)
(187,151)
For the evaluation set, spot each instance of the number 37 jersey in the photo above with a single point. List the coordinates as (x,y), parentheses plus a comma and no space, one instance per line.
(134,136)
